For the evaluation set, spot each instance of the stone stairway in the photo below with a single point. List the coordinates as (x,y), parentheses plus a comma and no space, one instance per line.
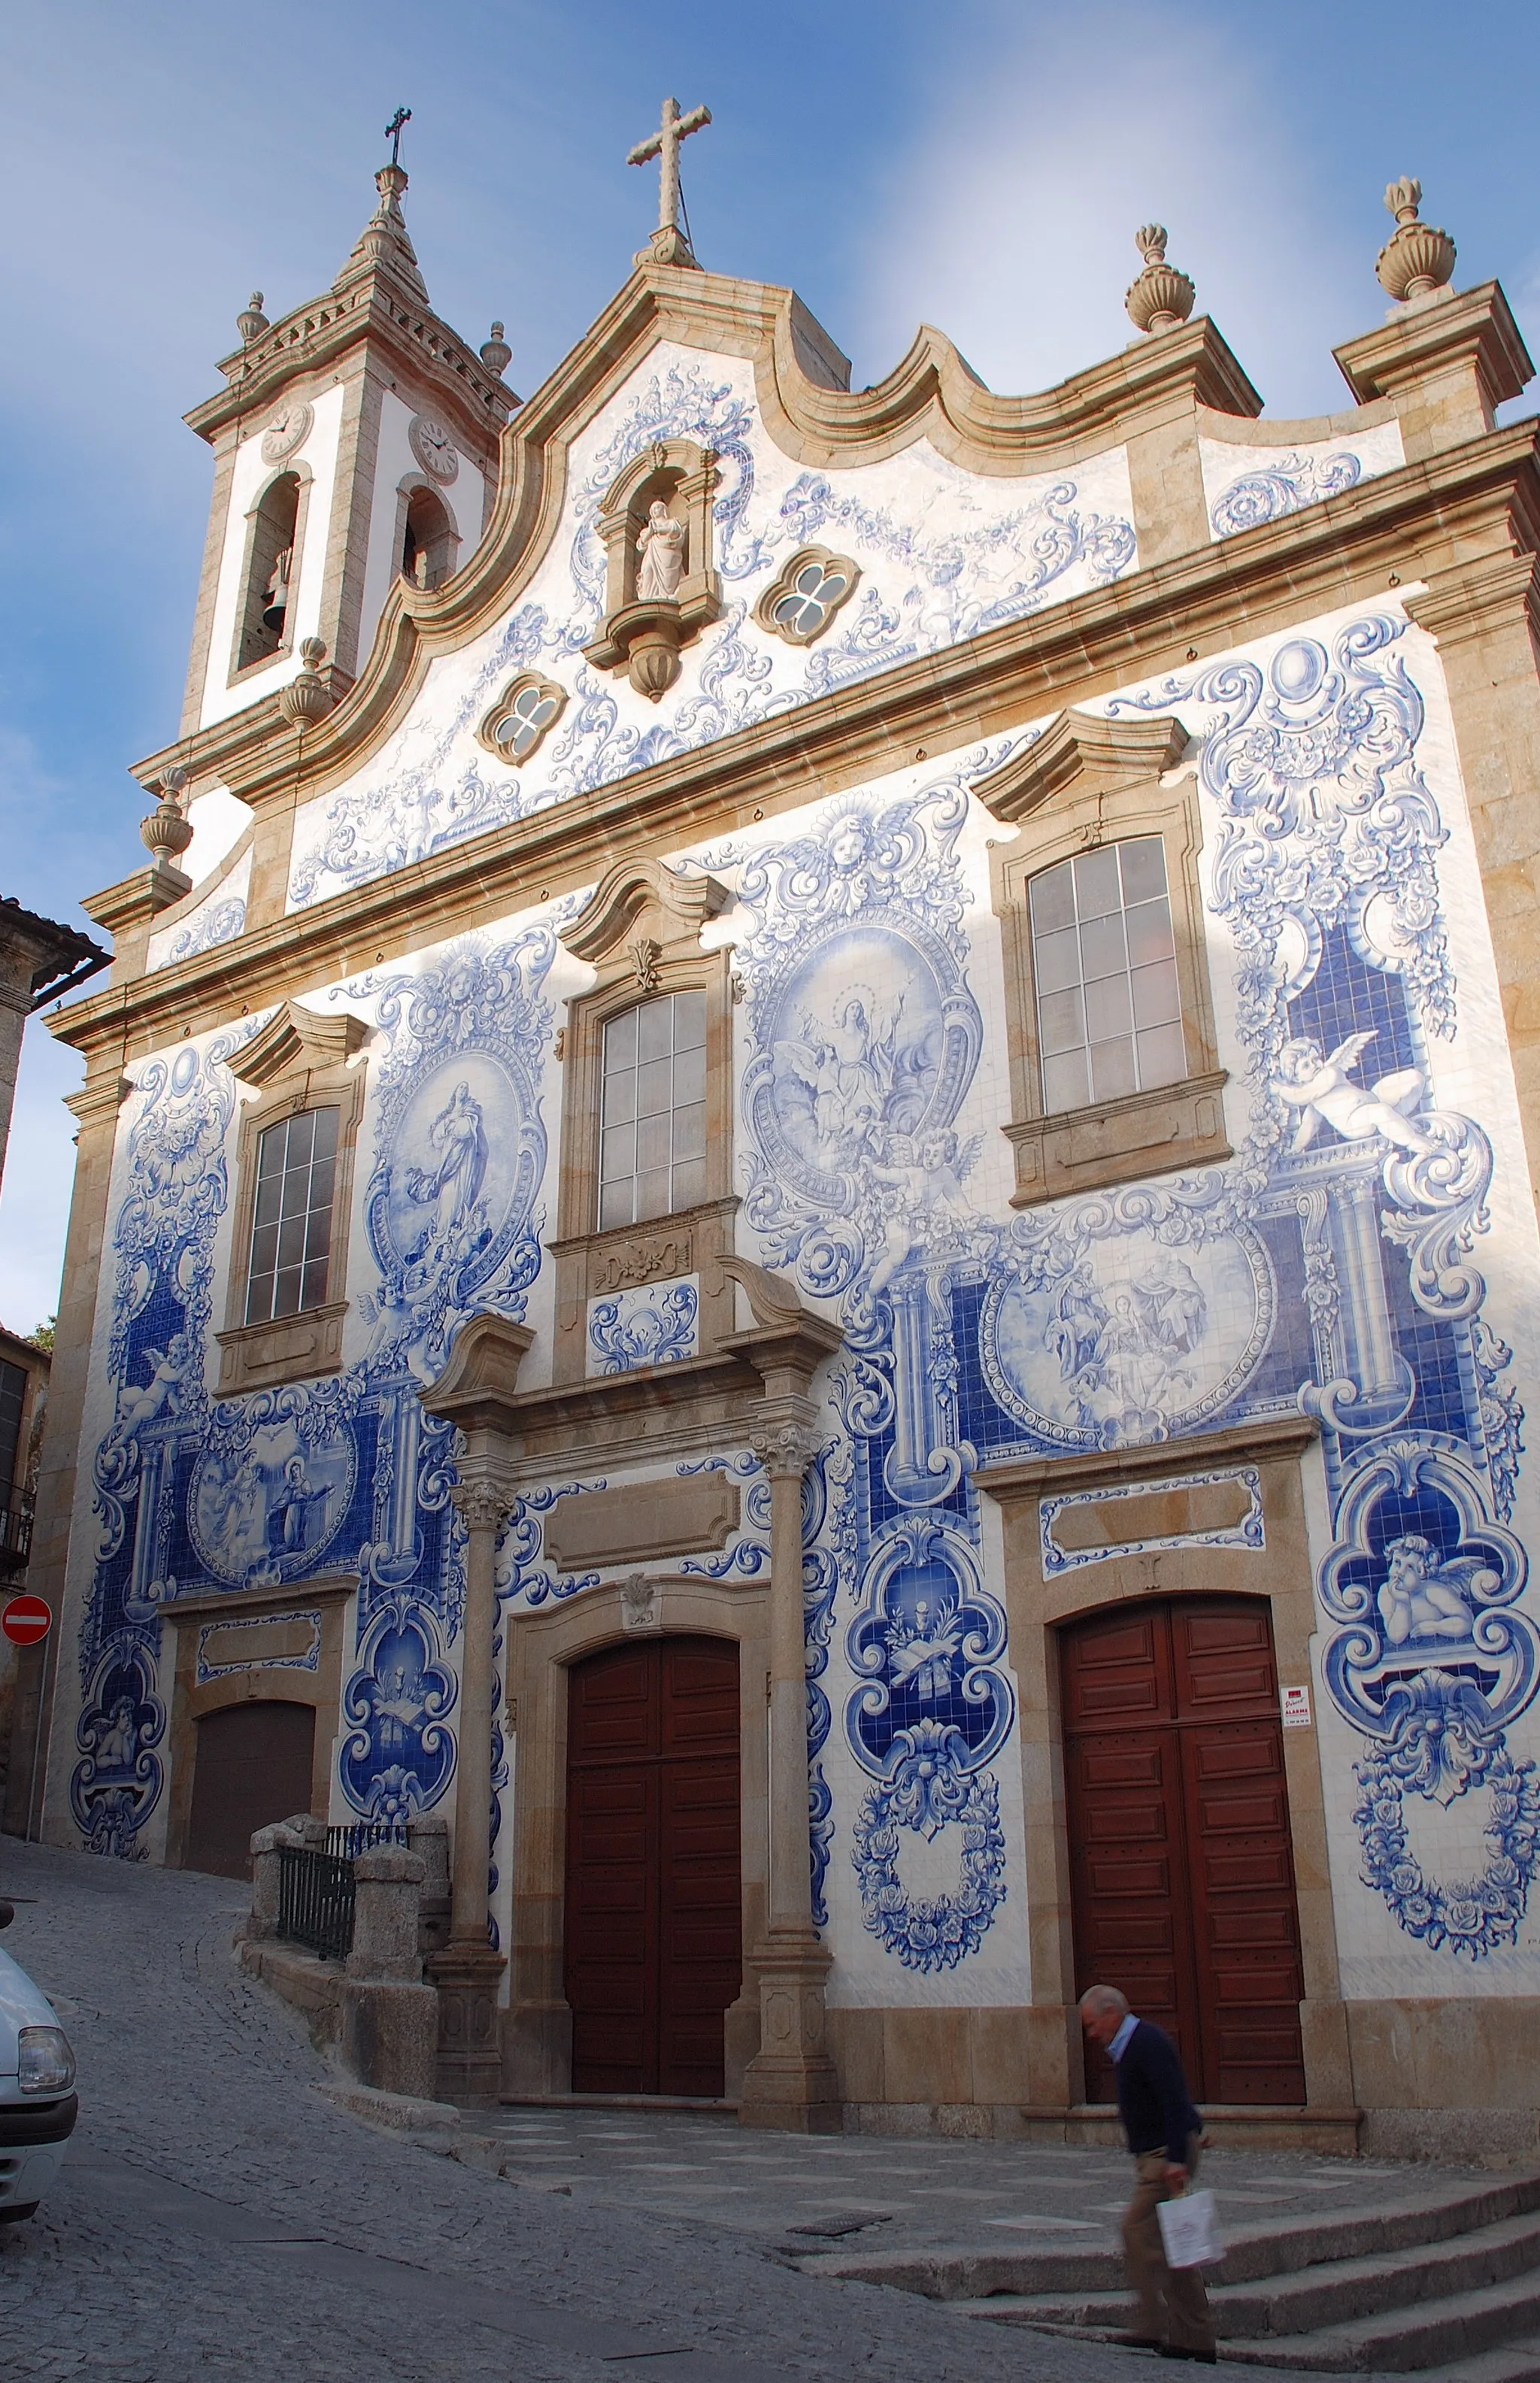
(1444,2284)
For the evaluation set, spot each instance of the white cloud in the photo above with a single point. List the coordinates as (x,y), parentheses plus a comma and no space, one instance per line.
(39,1172)
(1010,222)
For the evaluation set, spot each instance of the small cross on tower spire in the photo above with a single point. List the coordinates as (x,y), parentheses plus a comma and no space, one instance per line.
(669,243)
(393,132)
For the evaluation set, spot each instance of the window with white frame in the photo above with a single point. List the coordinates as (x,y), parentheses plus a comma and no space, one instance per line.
(652,1137)
(1104,974)
(293,1216)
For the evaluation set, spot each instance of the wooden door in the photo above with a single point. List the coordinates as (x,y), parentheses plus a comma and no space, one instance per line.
(1182,1870)
(253,1767)
(654,1927)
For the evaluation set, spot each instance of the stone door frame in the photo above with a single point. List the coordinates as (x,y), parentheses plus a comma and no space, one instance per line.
(542,1647)
(1280,1570)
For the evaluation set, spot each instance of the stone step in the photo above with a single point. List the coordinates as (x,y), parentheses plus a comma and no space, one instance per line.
(1430,2333)
(1282,2246)
(1431,2337)
(1344,2290)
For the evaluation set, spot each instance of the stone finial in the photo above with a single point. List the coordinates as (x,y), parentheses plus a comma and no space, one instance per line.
(306,696)
(167,832)
(252,322)
(1160,299)
(496,353)
(1417,260)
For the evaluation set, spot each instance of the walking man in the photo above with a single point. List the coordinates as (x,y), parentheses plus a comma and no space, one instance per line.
(1162,2129)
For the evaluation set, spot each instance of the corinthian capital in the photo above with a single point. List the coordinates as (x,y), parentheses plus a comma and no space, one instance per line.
(482,1505)
(784,1443)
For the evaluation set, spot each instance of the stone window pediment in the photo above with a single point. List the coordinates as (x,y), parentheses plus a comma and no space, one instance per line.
(1114,1073)
(286,1295)
(647,1132)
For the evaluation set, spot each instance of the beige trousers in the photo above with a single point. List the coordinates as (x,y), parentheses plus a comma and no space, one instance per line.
(1173,2304)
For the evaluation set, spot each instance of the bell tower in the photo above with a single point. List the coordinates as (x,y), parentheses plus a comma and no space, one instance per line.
(355,437)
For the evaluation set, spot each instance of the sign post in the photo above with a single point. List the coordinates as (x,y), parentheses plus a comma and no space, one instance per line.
(25,1621)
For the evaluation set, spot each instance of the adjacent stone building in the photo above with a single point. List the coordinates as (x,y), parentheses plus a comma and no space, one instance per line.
(821,1209)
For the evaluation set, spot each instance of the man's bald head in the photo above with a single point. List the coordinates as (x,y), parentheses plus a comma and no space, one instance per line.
(1103,2012)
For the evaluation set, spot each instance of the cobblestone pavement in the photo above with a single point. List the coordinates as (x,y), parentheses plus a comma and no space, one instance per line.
(218,2217)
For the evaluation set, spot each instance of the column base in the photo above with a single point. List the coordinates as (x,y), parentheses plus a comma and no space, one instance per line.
(470,2038)
(792,2083)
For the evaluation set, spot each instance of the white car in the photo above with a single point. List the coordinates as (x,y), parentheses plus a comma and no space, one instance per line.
(37,2105)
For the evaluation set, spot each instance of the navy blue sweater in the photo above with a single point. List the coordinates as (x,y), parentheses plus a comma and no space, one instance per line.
(1152,2099)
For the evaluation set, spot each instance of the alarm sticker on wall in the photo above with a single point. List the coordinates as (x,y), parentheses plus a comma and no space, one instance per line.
(1296,1708)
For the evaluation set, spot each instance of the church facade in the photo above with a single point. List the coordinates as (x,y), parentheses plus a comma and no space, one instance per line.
(807,1187)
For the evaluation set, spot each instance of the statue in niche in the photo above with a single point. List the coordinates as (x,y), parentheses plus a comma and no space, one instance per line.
(1422,1597)
(1322,1088)
(662,551)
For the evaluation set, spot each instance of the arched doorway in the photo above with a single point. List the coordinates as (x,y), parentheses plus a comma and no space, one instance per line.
(654,1924)
(1182,1870)
(253,1766)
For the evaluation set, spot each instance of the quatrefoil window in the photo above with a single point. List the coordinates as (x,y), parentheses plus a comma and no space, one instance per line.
(804,597)
(521,716)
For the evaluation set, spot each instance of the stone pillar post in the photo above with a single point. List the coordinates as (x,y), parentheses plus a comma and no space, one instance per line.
(387,2020)
(791,2082)
(262,1921)
(467,1971)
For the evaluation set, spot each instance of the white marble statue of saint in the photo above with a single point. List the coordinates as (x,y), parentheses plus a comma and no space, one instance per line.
(662,550)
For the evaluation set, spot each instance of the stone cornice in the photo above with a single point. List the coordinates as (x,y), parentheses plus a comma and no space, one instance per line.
(931,393)
(1475,328)
(1268,1440)
(1342,551)
(312,339)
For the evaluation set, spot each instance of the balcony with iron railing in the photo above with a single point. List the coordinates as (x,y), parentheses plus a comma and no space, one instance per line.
(16,1537)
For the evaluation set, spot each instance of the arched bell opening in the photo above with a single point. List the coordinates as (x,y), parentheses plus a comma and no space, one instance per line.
(430,544)
(266,612)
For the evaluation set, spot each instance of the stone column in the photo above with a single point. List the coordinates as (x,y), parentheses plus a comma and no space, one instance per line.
(468,1970)
(791,2082)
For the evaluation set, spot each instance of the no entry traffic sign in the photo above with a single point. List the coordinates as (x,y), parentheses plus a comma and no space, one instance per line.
(25,1621)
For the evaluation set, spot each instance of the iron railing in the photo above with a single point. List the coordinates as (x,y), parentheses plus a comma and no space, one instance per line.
(15,1536)
(358,1837)
(315,1900)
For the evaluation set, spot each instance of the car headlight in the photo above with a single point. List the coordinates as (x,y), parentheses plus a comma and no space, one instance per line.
(45,2062)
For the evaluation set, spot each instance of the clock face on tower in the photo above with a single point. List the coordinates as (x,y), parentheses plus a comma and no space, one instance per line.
(289,429)
(433,447)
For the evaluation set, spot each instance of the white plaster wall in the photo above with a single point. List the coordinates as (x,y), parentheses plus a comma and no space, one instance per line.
(464,498)
(251,475)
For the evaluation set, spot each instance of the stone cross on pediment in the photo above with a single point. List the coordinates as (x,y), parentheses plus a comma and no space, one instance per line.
(668,244)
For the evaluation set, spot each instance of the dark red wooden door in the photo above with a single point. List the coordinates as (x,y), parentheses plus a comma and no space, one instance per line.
(654,1934)
(253,1767)
(1182,1863)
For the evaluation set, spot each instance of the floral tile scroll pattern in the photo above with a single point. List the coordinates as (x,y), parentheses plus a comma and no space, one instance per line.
(944,555)
(218,920)
(657,1324)
(1246,485)
(1338,1263)
(195,1494)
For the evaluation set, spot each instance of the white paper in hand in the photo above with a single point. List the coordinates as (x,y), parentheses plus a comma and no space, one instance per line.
(1190,2230)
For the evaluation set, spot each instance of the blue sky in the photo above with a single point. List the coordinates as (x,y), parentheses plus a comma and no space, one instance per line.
(982,167)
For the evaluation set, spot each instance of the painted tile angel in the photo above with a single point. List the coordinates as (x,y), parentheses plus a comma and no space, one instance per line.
(1322,1089)
(1424,1595)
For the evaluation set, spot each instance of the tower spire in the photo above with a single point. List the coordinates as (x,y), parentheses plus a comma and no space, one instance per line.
(385,241)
